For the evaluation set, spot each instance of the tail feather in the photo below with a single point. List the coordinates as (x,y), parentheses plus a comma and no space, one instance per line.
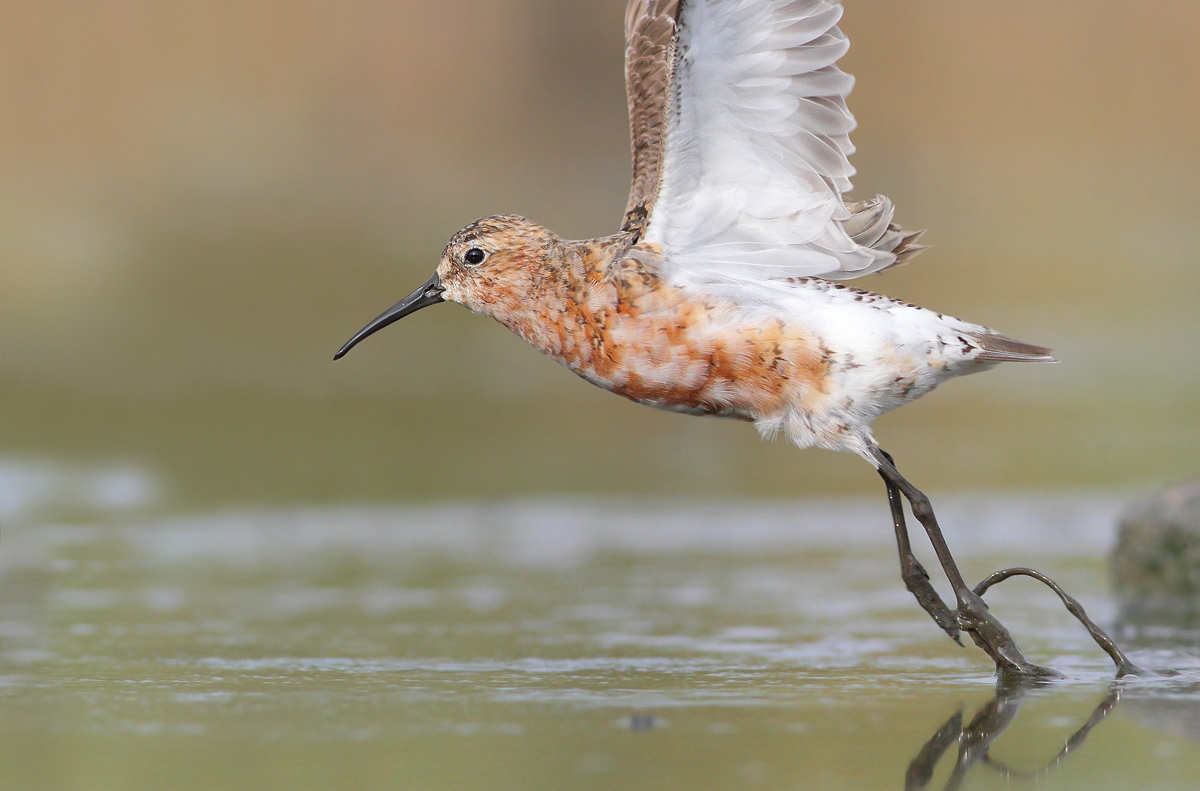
(1002,349)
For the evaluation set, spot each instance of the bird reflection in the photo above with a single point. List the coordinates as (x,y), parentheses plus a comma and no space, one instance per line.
(975,739)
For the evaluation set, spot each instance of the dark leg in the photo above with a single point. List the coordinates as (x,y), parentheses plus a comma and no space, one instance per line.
(972,616)
(915,577)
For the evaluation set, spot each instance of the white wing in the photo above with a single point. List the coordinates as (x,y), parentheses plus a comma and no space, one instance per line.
(756,146)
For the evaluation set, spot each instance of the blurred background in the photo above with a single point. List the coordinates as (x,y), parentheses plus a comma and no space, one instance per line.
(445,562)
(202,200)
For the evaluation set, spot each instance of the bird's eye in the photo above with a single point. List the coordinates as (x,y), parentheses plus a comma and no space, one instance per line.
(474,256)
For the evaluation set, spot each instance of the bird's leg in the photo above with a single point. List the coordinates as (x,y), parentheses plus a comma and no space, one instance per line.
(972,615)
(915,577)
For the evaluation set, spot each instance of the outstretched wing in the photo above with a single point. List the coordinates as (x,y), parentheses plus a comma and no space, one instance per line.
(741,140)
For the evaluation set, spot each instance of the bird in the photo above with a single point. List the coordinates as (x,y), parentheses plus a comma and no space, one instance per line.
(721,294)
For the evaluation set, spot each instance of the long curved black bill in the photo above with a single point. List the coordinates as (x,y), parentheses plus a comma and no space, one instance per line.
(430,293)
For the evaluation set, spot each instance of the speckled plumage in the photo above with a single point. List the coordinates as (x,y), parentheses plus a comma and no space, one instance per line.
(717,296)
(811,358)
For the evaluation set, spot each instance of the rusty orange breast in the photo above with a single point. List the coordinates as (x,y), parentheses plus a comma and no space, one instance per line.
(623,328)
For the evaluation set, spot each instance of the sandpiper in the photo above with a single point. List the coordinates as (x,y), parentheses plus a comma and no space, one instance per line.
(719,294)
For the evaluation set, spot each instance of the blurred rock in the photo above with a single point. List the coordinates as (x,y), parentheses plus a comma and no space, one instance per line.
(1156,562)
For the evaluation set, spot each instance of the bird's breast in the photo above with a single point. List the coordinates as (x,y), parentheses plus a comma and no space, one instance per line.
(658,345)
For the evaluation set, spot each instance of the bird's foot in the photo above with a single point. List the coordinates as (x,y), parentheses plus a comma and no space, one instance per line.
(1124,666)
(989,634)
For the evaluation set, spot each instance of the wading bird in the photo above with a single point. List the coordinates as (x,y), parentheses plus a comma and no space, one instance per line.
(719,294)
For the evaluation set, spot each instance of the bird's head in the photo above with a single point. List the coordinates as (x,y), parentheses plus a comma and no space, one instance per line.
(494,266)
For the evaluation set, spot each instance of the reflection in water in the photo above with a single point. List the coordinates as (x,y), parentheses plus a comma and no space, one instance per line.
(975,740)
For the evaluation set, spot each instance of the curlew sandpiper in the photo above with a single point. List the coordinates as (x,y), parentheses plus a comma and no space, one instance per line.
(720,294)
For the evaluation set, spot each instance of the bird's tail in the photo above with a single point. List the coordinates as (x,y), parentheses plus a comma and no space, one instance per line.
(998,348)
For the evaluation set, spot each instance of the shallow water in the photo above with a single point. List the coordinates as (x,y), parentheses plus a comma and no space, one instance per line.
(551,644)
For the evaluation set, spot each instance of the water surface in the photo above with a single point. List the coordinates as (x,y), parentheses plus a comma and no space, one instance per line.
(555,644)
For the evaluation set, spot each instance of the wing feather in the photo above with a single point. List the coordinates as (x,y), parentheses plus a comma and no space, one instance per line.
(741,142)
(650,37)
